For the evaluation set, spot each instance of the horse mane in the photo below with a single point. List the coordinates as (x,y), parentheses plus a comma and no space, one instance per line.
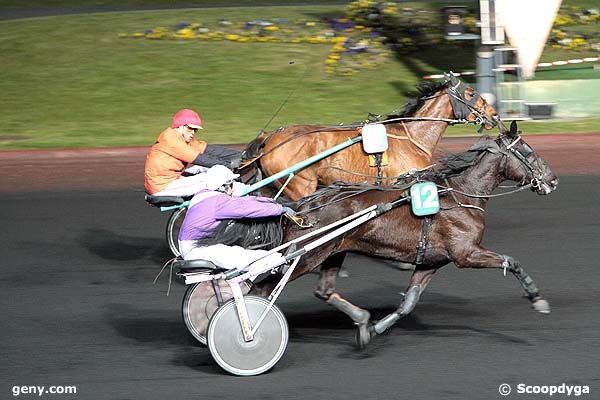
(423,91)
(452,164)
(249,233)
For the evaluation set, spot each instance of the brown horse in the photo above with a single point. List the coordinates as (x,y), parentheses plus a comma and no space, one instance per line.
(452,235)
(411,143)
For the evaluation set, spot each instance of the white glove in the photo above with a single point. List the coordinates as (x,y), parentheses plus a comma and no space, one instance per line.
(195,169)
(238,188)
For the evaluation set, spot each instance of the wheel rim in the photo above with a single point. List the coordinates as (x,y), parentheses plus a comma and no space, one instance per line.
(227,345)
(173,227)
(200,303)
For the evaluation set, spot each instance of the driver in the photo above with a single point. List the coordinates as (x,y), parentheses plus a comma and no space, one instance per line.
(209,207)
(169,169)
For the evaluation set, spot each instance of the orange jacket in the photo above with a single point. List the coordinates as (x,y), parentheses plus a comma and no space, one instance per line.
(169,156)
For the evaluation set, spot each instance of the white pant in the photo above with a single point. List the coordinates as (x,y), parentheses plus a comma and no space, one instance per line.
(184,186)
(190,185)
(228,256)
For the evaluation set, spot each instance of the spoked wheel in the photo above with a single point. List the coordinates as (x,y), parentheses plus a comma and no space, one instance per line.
(173,227)
(200,303)
(226,340)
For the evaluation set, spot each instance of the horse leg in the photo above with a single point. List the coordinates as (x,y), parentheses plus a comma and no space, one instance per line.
(483,258)
(538,303)
(325,290)
(266,286)
(418,282)
(327,276)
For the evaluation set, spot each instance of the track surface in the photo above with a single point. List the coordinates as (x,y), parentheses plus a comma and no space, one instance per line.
(79,308)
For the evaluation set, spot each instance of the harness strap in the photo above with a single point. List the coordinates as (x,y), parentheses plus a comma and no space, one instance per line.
(250,161)
(423,240)
(412,140)
(378,162)
(458,203)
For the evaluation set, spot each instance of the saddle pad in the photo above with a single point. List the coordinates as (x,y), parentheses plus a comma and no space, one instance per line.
(373,162)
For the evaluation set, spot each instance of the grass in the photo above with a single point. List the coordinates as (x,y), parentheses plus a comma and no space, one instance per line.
(583,125)
(141,3)
(69,81)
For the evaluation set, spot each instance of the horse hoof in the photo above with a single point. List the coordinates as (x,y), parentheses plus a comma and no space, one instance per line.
(542,306)
(363,335)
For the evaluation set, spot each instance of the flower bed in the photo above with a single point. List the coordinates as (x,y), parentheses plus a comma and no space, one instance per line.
(369,33)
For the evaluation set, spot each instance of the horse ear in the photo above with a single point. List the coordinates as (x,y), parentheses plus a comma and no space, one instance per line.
(513,128)
(450,77)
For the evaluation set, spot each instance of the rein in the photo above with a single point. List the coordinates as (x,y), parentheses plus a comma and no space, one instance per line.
(358,189)
(375,177)
(520,188)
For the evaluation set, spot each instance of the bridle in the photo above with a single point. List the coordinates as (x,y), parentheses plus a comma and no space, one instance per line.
(462,107)
(522,151)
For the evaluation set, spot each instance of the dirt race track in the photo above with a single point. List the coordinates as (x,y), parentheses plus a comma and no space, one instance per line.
(123,168)
(80,249)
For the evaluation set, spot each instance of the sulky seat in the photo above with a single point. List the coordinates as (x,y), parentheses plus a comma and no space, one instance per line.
(195,266)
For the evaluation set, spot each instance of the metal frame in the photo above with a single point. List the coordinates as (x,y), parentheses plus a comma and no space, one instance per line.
(235,276)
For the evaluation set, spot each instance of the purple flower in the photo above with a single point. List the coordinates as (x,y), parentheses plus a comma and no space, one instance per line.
(182,25)
(148,31)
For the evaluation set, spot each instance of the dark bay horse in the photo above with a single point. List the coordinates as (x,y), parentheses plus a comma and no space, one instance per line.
(411,142)
(452,235)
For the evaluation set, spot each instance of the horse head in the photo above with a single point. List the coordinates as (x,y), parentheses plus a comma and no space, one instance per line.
(523,164)
(468,104)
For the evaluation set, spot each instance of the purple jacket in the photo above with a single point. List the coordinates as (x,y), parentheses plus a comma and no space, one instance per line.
(204,216)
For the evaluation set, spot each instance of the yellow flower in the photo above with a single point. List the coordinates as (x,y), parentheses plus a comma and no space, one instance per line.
(185,33)
(271,28)
(232,37)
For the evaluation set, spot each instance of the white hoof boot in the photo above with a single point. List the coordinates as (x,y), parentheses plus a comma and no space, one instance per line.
(542,306)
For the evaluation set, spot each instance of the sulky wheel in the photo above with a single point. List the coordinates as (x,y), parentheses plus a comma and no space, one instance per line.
(173,227)
(200,302)
(226,340)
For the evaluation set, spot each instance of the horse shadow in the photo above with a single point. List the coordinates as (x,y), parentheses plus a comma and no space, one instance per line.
(334,327)
(113,246)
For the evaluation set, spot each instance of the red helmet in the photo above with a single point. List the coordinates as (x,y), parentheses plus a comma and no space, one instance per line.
(187,117)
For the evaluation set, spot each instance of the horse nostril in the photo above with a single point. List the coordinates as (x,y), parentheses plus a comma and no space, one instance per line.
(554,182)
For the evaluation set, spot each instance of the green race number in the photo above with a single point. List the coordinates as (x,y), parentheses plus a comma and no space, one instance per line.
(424,199)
